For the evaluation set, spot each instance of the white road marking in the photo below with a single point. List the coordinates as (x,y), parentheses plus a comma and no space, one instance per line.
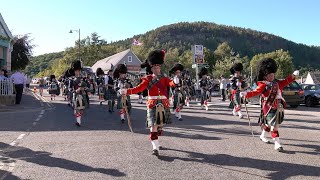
(21,136)
(13,143)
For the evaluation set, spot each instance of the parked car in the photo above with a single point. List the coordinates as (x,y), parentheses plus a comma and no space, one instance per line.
(293,95)
(311,94)
(35,81)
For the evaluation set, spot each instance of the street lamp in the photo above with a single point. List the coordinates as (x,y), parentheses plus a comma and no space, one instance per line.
(71,31)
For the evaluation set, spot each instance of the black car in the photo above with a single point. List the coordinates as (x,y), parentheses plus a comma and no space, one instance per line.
(312,94)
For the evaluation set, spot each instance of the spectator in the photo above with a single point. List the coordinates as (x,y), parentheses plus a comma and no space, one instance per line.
(2,74)
(19,82)
(28,81)
(223,86)
(41,85)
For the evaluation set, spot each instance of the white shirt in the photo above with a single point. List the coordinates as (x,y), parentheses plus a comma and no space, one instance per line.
(106,79)
(18,78)
(223,84)
(176,80)
(2,77)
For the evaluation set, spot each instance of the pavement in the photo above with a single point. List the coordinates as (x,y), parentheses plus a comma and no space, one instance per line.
(42,142)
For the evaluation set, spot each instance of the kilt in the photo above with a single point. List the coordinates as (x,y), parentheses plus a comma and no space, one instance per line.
(236,98)
(175,99)
(119,103)
(204,96)
(53,91)
(110,94)
(101,90)
(151,117)
(273,118)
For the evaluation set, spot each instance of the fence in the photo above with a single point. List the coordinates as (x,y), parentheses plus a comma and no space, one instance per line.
(6,87)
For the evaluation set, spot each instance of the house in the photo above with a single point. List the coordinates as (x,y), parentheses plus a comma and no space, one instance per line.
(125,57)
(6,45)
(313,78)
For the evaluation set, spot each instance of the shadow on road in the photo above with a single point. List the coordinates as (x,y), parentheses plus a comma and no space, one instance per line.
(280,170)
(45,159)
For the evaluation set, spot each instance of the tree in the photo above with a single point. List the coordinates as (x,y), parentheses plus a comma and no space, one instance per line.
(283,59)
(21,53)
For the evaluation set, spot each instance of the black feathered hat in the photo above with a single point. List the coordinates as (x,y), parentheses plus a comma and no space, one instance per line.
(146,65)
(99,72)
(121,68)
(265,67)
(52,76)
(156,57)
(68,73)
(236,67)
(203,71)
(177,67)
(76,65)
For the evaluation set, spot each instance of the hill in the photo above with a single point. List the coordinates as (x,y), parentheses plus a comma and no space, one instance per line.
(246,42)
(179,37)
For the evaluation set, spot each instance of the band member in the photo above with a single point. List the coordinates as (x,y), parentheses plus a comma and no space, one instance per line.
(100,84)
(121,82)
(178,94)
(68,84)
(187,87)
(110,93)
(273,104)
(237,84)
(140,99)
(204,87)
(158,110)
(78,91)
(53,87)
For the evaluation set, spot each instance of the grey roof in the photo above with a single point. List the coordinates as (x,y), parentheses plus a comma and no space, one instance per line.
(5,27)
(315,76)
(105,63)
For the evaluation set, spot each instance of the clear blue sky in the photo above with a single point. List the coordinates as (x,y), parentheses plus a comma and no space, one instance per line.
(49,22)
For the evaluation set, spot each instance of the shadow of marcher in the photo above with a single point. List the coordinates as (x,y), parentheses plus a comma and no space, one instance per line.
(8,175)
(279,170)
(45,159)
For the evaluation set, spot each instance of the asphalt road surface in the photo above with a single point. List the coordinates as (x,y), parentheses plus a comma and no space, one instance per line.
(39,140)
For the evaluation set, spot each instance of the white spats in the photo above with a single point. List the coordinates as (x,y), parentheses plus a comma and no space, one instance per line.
(277,144)
(79,119)
(240,114)
(155,144)
(122,116)
(207,108)
(263,136)
(234,112)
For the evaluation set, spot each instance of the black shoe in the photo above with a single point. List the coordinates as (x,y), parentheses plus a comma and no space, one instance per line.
(180,119)
(122,121)
(100,103)
(51,99)
(78,124)
(280,149)
(160,147)
(110,111)
(155,152)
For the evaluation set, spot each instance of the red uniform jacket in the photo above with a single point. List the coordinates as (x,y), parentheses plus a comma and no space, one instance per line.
(261,89)
(158,89)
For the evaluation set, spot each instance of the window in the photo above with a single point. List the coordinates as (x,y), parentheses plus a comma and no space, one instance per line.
(1,53)
(129,58)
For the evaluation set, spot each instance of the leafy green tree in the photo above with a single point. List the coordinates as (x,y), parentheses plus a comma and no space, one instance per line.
(21,53)
(283,59)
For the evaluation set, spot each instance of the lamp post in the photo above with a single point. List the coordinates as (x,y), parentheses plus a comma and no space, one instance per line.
(71,31)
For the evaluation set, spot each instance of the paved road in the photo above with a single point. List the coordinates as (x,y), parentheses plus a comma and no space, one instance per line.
(40,141)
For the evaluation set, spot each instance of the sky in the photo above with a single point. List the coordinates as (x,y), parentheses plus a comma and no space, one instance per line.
(49,21)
